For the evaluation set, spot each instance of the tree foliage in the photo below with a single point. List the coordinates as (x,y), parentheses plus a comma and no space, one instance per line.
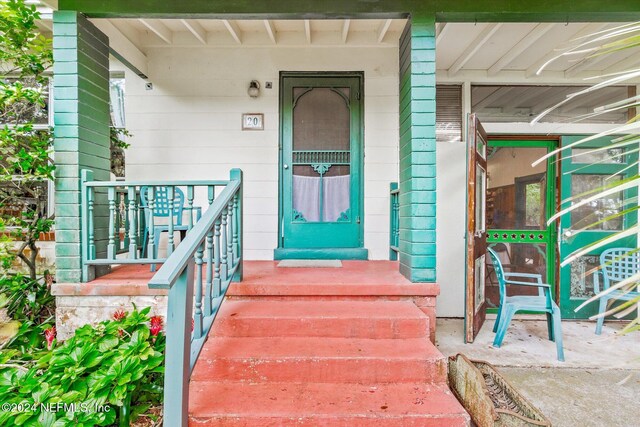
(25,163)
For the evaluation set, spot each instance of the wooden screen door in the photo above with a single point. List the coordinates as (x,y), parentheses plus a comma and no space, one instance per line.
(476,237)
(321,192)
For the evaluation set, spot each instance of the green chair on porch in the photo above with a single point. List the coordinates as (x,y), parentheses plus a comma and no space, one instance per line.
(616,264)
(161,210)
(509,305)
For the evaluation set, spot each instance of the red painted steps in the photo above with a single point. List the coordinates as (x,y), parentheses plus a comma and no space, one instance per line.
(321,363)
(340,319)
(318,359)
(324,404)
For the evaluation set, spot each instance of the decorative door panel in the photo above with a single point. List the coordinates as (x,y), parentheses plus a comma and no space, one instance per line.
(520,199)
(321,162)
(476,236)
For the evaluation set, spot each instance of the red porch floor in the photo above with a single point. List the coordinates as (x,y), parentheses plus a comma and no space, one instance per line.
(361,277)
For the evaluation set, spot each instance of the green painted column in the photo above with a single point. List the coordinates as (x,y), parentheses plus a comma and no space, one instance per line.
(81,132)
(418,150)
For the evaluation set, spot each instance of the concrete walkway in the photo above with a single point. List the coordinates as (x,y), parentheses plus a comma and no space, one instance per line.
(597,386)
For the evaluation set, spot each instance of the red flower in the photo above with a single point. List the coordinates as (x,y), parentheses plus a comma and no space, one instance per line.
(50,335)
(119,315)
(156,325)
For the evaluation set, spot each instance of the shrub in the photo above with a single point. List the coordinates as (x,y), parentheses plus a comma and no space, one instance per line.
(104,374)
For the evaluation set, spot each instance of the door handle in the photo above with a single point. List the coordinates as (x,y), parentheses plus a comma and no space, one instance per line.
(564,235)
(286,166)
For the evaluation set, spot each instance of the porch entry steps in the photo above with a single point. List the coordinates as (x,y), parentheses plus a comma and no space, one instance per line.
(321,362)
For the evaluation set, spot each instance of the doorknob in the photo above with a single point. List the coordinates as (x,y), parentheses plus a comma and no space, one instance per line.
(286,166)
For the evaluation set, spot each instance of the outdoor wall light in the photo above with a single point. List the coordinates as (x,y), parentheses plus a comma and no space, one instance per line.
(254,89)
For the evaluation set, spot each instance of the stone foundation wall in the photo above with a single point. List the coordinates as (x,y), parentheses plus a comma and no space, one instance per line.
(78,304)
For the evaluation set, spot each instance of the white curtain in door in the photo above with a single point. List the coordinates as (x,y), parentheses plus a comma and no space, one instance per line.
(336,197)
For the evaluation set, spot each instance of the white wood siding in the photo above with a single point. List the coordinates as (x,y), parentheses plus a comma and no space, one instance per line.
(189,126)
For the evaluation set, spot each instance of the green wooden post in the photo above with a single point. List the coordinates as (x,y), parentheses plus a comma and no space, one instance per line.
(417,150)
(236,174)
(178,353)
(81,117)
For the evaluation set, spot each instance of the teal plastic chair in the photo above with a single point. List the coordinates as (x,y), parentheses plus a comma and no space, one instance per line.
(509,305)
(616,264)
(161,210)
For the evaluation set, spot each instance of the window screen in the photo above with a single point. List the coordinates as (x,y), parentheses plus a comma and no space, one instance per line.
(448,113)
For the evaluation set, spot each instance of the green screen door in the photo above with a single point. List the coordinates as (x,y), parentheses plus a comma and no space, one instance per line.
(320,168)
(585,171)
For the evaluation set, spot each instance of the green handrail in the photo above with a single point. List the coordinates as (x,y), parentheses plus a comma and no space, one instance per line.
(394,220)
(215,243)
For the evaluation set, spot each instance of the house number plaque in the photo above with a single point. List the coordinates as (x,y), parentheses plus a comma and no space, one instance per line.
(253,121)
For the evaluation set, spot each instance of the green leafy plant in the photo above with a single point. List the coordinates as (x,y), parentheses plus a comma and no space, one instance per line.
(626,139)
(103,375)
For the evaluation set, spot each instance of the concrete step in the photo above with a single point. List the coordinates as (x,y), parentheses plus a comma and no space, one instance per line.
(341,319)
(321,359)
(285,404)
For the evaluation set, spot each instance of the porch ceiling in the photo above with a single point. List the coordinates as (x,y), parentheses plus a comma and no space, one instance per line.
(465,51)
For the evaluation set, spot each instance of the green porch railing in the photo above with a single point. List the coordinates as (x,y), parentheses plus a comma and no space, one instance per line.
(394,219)
(215,244)
(129,225)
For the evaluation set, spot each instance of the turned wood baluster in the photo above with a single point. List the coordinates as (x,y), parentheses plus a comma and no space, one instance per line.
(170,198)
(133,211)
(236,242)
(231,257)
(92,243)
(217,290)
(125,213)
(224,269)
(111,245)
(190,205)
(151,246)
(197,321)
(207,294)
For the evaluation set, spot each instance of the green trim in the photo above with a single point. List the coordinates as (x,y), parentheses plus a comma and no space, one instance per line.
(547,236)
(444,10)
(348,231)
(568,304)
(81,137)
(417,145)
(518,236)
(329,253)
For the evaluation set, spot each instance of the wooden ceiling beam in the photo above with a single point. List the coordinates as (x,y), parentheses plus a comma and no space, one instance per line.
(233,29)
(441,30)
(345,30)
(307,30)
(383,29)
(473,47)
(525,43)
(553,52)
(271,30)
(159,29)
(122,47)
(196,29)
